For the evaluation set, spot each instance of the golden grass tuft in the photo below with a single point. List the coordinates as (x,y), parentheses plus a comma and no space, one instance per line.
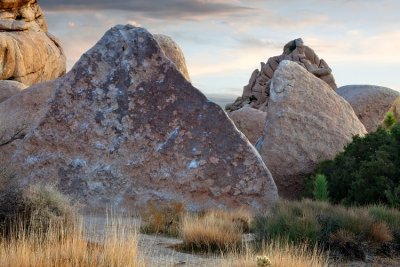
(162,218)
(58,248)
(380,232)
(280,254)
(214,230)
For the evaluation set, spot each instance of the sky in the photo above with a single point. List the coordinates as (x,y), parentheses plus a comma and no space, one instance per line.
(225,40)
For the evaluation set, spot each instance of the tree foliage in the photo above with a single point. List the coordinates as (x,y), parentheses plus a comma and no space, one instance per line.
(368,171)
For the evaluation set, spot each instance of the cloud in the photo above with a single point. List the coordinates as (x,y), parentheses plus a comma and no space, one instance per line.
(178,9)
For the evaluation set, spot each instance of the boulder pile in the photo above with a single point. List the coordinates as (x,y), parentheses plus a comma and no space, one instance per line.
(256,94)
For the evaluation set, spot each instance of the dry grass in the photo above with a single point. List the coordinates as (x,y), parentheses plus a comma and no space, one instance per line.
(214,230)
(162,218)
(61,249)
(380,232)
(280,254)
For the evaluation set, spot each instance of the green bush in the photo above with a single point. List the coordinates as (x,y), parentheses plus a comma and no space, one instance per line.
(368,171)
(320,192)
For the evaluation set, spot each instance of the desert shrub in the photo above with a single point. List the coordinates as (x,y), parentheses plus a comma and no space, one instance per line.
(46,207)
(367,171)
(33,208)
(162,218)
(288,220)
(214,230)
(320,192)
(380,232)
(344,229)
(389,216)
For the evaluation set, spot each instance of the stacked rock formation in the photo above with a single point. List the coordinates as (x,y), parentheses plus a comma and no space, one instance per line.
(257,92)
(124,127)
(307,123)
(28,53)
(371,103)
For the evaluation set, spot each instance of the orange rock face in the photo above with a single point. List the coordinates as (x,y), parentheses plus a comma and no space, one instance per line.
(28,53)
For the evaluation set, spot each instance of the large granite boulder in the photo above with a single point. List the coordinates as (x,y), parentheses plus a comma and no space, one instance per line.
(250,122)
(124,127)
(28,53)
(371,103)
(256,94)
(10,88)
(307,122)
(173,53)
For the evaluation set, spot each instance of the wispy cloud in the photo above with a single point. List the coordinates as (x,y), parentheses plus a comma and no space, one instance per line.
(224,40)
(177,9)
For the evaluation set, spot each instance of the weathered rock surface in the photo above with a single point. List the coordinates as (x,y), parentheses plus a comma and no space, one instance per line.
(371,103)
(19,112)
(256,94)
(307,122)
(124,127)
(173,53)
(10,88)
(28,53)
(250,122)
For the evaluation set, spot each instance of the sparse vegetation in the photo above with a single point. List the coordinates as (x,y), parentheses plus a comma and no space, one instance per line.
(57,247)
(351,232)
(279,254)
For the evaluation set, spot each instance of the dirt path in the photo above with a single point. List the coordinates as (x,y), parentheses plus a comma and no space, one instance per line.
(156,250)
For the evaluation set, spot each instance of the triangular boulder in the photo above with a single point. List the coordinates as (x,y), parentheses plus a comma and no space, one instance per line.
(124,127)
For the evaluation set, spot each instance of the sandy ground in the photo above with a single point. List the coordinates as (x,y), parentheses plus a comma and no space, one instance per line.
(156,250)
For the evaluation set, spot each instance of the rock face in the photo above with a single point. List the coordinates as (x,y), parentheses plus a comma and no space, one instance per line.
(250,122)
(256,94)
(28,53)
(19,112)
(10,88)
(371,103)
(173,53)
(307,122)
(124,127)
